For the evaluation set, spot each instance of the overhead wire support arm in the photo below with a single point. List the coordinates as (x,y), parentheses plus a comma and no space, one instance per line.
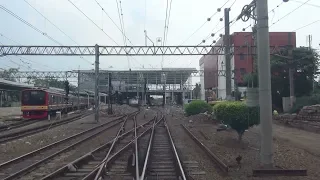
(6,50)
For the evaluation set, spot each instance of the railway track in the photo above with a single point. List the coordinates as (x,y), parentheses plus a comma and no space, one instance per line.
(23,164)
(112,154)
(26,132)
(162,160)
(21,123)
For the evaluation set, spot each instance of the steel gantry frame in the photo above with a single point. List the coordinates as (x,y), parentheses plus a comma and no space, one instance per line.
(6,50)
(128,50)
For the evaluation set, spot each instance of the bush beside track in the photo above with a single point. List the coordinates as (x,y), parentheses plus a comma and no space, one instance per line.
(237,115)
(197,107)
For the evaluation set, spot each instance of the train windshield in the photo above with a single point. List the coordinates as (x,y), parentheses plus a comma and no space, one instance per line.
(33,98)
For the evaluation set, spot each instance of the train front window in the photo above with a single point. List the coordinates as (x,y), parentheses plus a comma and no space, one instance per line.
(33,98)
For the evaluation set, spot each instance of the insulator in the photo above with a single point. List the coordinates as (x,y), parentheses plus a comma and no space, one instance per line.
(212,34)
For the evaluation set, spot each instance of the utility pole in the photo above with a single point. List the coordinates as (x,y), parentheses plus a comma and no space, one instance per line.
(96,84)
(145,91)
(227,52)
(314,69)
(145,38)
(78,88)
(266,149)
(109,93)
(291,73)
(263,50)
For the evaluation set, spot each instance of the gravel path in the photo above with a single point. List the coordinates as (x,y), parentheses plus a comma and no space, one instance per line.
(227,147)
(299,138)
(84,148)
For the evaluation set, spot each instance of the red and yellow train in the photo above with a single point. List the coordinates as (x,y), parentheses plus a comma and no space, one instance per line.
(39,103)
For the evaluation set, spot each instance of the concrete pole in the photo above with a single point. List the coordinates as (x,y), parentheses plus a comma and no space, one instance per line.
(109,93)
(266,152)
(227,53)
(96,89)
(78,89)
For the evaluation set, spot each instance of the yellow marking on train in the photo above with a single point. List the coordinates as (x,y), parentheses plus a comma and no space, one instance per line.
(34,107)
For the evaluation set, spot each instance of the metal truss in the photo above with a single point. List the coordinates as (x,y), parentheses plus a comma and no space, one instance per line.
(128,50)
(115,74)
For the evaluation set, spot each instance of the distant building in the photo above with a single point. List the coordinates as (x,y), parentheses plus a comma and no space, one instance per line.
(240,63)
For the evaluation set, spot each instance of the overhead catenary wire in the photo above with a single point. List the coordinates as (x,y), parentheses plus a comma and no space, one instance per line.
(314,5)
(166,26)
(38,63)
(204,23)
(289,13)
(28,24)
(124,31)
(56,27)
(93,22)
(314,22)
(121,28)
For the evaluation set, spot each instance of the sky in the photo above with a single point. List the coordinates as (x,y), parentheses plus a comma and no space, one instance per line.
(71,27)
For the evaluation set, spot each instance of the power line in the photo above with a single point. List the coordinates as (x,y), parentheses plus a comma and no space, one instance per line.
(28,24)
(22,56)
(120,15)
(145,14)
(208,19)
(93,22)
(314,5)
(55,27)
(168,21)
(289,13)
(306,25)
(19,65)
(113,21)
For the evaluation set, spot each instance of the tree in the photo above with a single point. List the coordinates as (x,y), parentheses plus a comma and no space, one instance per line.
(9,74)
(196,91)
(49,81)
(304,63)
(237,115)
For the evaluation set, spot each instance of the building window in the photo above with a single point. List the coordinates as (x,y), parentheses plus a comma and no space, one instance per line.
(243,71)
(241,56)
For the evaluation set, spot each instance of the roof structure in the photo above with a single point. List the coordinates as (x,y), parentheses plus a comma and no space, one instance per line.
(11,85)
(170,75)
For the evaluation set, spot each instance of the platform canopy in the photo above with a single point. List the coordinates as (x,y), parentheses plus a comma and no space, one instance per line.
(170,75)
(13,86)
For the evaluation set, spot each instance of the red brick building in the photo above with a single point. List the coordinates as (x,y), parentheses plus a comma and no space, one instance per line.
(240,63)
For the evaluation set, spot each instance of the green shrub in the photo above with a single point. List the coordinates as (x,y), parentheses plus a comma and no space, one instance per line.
(305,101)
(237,115)
(196,107)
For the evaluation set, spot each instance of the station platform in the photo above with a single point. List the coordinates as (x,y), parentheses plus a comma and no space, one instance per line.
(9,112)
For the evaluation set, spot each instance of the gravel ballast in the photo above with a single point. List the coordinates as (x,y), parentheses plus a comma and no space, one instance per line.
(84,148)
(226,146)
(27,144)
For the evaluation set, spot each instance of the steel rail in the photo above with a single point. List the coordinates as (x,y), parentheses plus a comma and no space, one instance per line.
(77,162)
(55,143)
(212,156)
(32,166)
(12,136)
(92,173)
(19,124)
(181,171)
(102,165)
(136,148)
(146,160)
